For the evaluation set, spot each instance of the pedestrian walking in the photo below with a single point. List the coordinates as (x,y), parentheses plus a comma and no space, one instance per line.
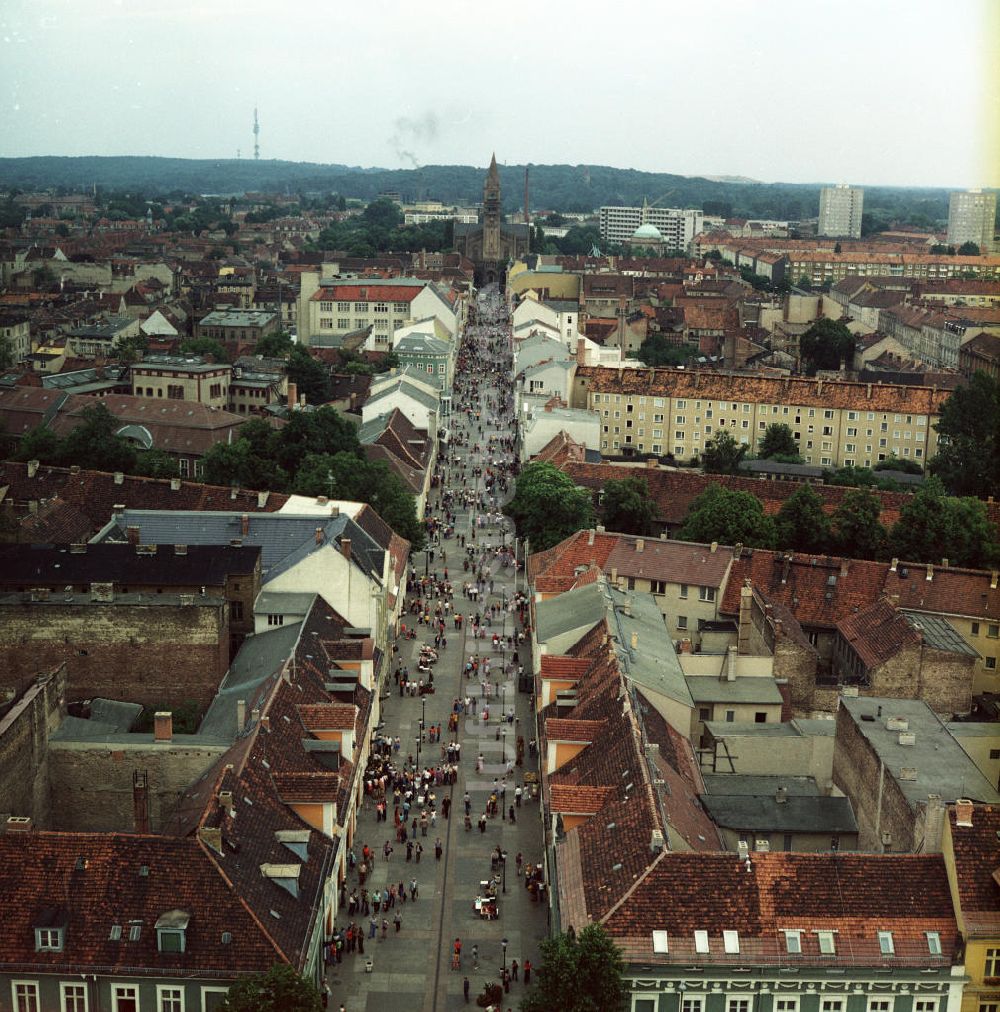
(465,990)
(397,920)
(437,849)
(385,928)
(513,970)
(527,972)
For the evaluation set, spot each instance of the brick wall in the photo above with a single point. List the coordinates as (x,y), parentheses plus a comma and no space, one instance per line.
(942,679)
(856,773)
(149,651)
(24,734)
(91,783)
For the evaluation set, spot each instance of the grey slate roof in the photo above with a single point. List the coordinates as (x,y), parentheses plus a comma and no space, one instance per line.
(759,785)
(709,689)
(280,602)
(260,657)
(581,609)
(284,539)
(939,633)
(796,814)
(422,344)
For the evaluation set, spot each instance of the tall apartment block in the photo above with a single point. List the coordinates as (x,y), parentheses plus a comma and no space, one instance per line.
(840,211)
(677,226)
(972,218)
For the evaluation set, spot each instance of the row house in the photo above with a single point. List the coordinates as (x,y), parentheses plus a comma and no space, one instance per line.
(924,333)
(834,423)
(821,267)
(238,330)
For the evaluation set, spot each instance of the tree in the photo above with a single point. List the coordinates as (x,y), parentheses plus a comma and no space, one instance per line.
(968,249)
(547,507)
(627,506)
(205,346)
(893,463)
(276,345)
(856,530)
(131,349)
(719,514)
(40,444)
(310,376)
(578,973)
(6,352)
(322,431)
(155,464)
(968,457)
(238,464)
(657,350)
(280,989)
(346,476)
(723,454)
(933,526)
(95,444)
(778,443)
(825,344)
(383,213)
(801,523)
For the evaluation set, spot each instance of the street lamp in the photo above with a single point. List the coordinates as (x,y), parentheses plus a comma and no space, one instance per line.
(503,868)
(503,945)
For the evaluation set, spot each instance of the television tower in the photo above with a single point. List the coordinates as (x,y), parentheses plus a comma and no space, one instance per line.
(256,136)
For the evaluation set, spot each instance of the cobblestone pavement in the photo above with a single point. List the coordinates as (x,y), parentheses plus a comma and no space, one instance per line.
(412,969)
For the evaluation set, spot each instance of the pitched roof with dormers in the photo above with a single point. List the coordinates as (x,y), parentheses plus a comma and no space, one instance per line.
(855,896)
(740,387)
(976,850)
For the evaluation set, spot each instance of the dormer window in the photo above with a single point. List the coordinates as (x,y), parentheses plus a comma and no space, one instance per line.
(50,930)
(793,942)
(885,943)
(731,942)
(934,943)
(171,931)
(660,941)
(49,939)
(701,941)
(827,945)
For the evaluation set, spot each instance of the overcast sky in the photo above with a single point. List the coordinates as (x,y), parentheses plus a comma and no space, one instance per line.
(863,91)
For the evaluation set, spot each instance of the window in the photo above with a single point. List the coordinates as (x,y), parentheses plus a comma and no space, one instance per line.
(934,938)
(885,946)
(24,994)
(275,619)
(682,622)
(175,392)
(738,1005)
(991,663)
(706,593)
(48,939)
(879,1005)
(692,1004)
(212,998)
(991,967)
(730,716)
(760,717)
(793,940)
(786,1005)
(731,941)
(169,998)
(993,631)
(701,941)
(684,591)
(73,997)
(827,946)
(832,1005)
(125,998)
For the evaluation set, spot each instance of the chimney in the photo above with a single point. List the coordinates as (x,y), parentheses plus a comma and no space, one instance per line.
(32,468)
(731,664)
(781,795)
(163,725)
(175,484)
(119,477)
(18,824)
(345,548)
(993,579)
(255,715)
(893,565)
(930,573)
(245,525)
(652,463)
(241,714)
(844,566)
(132,532)
(293,395)
(640,545)
(319,535)
(581,351)
(265,723)
(590,537)
(104,593)
(226,801)
(140,801)
(944,563)
(963,813)
(685,646)
(262,499)
(635,640)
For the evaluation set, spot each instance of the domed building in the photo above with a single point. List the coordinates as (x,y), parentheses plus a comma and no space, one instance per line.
(647,236)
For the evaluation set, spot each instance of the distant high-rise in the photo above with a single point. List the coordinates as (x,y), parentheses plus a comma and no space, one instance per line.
(840,211)
(256,135)
(972,218)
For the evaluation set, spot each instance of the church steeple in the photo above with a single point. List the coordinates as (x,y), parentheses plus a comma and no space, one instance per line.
(491,212)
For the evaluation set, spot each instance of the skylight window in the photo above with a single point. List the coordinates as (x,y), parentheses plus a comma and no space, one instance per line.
(885,943)
(731,942)
(934,943)
(827,945)
(701,941)
(660,941)
(793,942)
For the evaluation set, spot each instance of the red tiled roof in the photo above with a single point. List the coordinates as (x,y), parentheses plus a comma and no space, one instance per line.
(327,716)
(556,666)
(376,293)
(562,729)
(577,800)
(977,857)
(878,633)
(855,895)
(949,591)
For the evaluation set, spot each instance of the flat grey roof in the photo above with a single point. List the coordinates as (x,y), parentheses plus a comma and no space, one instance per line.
(796,814)
(709,689)
(797,728)
(941,764)
(759,785)
(283,603)
(973,729)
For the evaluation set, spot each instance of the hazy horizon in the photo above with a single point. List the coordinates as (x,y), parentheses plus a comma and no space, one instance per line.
(833,91)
